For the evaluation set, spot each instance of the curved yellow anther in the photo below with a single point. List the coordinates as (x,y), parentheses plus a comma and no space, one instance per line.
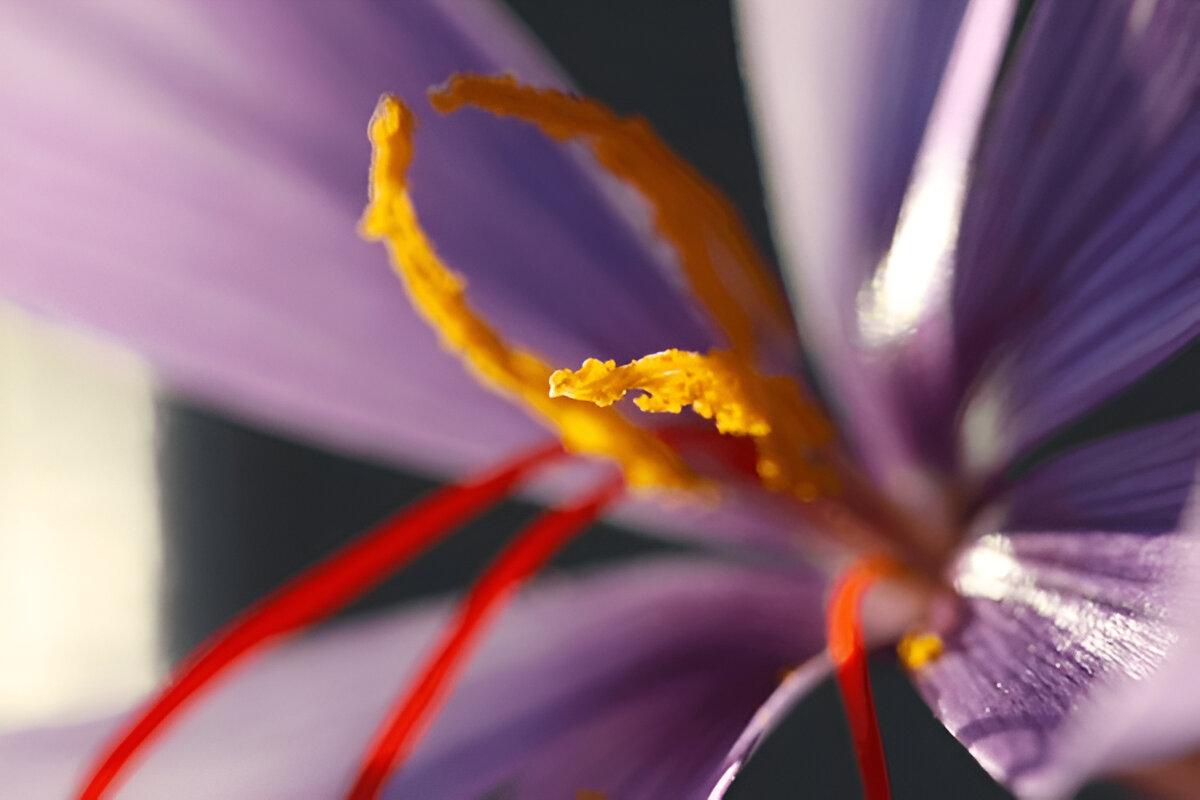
(439,295)
(718,257)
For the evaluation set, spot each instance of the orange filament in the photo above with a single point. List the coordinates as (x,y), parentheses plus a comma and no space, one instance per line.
(850,659)
(735,455)
(718,256)
(308,598)
(424,696)
(439,295)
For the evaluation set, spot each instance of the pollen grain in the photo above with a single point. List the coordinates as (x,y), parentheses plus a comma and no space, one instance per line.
(920,648)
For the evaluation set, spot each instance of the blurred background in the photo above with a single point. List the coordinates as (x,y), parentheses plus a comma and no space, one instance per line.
(234,511)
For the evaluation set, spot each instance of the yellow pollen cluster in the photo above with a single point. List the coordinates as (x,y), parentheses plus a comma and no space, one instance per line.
(671,380)
(719,386)
(918,649)
(439,295)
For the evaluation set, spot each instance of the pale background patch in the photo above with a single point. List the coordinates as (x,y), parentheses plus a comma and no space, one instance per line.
(80,551)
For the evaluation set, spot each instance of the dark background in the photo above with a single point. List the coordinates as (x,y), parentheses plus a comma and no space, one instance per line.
(245,510)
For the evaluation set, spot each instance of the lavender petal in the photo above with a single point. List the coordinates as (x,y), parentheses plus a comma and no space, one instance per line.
(633,681)
(843,92)
(1079,615)
(188,181)
(1136,482)
(1054,628)
(1079,262)
(794,688)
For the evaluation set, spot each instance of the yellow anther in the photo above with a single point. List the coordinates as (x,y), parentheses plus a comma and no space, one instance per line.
(918,649)
(720,387)
(439,295)
(717,254)
(672,380)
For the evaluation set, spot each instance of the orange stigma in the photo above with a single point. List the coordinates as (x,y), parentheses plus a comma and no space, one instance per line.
(849,656)
(425,694)
(309,598)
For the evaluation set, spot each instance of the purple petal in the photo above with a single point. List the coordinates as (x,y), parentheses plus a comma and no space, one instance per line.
(634,682)
(844,91)
(646,712)
(1041,646)
(1135,482)
(794,688)
(188,180)
(1068,633)
(1080,247)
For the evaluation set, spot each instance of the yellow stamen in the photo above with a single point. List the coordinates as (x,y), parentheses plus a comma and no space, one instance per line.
(671,379)
(918,649)
(787,432)
(439,295)
(718,256)
(721,265)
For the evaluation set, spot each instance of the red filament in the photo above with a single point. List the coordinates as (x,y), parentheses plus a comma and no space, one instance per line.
(850,659)
(310,597)
(736,453)
(425,695)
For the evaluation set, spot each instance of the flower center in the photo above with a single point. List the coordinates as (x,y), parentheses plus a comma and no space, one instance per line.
(797,452)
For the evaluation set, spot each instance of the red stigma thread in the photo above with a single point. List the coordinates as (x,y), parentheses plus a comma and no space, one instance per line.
(425,695)
(310,597)
(850,658)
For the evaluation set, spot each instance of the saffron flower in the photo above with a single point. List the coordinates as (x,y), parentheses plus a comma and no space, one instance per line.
(988,234)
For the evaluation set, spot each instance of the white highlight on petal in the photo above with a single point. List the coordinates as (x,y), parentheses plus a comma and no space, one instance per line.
(791,691)
(725,781)
(1131,639)
(912,280)
(79,546)
(914,273)
(1140,14)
